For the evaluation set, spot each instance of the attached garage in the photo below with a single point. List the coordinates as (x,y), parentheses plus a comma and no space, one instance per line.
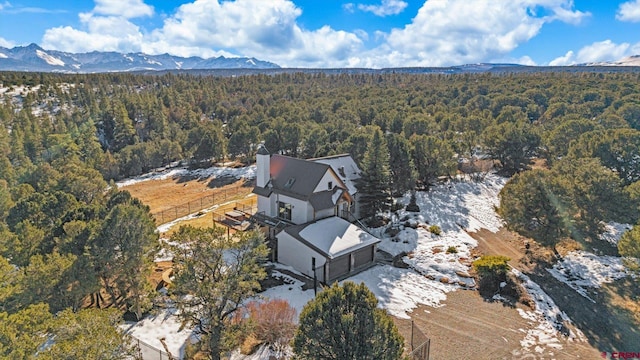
(336,246)
(363,256)
(339,267)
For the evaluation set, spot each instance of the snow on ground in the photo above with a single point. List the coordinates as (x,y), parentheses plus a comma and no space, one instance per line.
(580,270)
(164,325)
(441,261)
(247,172)
(546,318)
(399,291)
(613,232)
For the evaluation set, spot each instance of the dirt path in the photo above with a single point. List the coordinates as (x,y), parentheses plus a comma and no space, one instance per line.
(607,328)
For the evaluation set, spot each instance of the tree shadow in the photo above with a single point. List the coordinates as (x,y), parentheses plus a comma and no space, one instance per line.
(607,327)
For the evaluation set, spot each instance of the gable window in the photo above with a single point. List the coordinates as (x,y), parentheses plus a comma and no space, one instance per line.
(330,185)
(284,210)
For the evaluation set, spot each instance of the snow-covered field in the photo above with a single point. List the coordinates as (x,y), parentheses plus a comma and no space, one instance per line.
(433,271)
(247,172)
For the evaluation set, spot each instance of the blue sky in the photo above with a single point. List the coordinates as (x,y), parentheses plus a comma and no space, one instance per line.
(335,33)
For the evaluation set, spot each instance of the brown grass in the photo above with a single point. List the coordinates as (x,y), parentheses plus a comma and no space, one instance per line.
(161,195)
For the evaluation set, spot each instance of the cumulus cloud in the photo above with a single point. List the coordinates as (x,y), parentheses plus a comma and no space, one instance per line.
(106,28)
(125,8)
(597,52)
(446,32)
(629,11)
(443,32)
(388,7)
(265,29)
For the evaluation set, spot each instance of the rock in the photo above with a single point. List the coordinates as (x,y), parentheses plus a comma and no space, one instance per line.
(463,274)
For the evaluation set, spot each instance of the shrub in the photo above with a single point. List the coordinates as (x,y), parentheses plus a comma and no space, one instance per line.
(272,322)
(491,271)
(435,229)
(452,250)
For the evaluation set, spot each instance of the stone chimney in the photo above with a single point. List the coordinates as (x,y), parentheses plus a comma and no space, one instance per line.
(263,163)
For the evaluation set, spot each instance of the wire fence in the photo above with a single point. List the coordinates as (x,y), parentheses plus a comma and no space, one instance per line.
(178,211)
(420,344)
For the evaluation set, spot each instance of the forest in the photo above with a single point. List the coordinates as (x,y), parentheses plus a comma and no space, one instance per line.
(65,229)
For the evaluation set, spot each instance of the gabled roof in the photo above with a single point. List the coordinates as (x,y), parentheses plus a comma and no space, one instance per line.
(332,237)
(345,167)
(326,199)
(296,177)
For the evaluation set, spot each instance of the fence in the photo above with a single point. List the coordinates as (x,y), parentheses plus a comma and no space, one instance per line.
(149,352)
(204,202)
(420,344)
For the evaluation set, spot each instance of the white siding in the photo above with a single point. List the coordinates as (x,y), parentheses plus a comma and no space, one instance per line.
(294,253)
(324,213)
(300,211)
(323,185)
(264,204)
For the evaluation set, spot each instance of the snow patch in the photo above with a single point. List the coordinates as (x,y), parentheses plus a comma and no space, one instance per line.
(51,60)
(548,318)
(613,232)
(247,172)
(3,56)
(580,269)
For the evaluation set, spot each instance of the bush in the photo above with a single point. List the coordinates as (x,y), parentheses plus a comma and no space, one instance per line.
(491,271)
(435,229)
(272,322)
(452,250)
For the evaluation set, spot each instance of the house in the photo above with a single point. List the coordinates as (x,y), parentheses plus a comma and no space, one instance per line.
(307,206)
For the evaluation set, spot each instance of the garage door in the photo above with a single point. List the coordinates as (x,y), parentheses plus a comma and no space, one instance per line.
(339,266)
(363,256)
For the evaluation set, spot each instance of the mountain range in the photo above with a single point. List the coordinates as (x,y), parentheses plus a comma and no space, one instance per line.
(35,58)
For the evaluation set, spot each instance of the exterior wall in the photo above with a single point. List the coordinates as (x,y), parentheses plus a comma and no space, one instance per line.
(301,211)
(323,185)
(293,253)
(264,205)
(324,213)
(262,170)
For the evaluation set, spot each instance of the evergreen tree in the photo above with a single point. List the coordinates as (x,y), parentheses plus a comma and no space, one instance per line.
(375,181)
(513,144)
(213,276)
(629,247)
(530,205)
(432,157)
(344,323)
(124,251)
(401,166)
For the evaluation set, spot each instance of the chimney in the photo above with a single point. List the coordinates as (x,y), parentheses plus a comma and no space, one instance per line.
(263,163)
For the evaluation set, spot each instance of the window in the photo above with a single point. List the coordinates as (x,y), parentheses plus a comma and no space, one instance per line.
(284,210)
(330,185)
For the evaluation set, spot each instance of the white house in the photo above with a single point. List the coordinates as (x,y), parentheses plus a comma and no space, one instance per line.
(307,204)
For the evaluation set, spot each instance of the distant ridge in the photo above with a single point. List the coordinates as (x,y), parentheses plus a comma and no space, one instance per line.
(35,58)
(633,60)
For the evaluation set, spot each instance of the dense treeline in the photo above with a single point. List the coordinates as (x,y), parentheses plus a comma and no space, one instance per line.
(65,234)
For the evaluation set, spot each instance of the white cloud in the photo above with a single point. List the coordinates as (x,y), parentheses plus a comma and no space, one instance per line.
(264,29)
(6,43)
(124,8)
(443,32)
(388,7)
(629,11)
(446,32)
(597,52)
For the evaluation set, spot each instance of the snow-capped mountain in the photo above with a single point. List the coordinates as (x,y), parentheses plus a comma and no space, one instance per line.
(35,58)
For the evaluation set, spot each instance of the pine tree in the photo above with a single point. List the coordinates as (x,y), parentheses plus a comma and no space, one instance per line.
(375,181)
(344,323)
(401,165)
(213,276)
